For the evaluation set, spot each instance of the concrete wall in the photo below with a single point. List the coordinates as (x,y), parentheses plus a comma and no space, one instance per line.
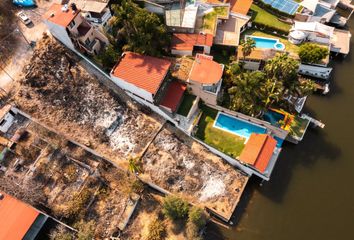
(154,8)
(132,89)
(6,122)
(182,52)
(60,33)
(194,108)
(196,89)
(250,65)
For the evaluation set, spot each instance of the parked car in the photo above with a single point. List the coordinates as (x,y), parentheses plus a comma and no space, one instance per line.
(23,17)
(24,3)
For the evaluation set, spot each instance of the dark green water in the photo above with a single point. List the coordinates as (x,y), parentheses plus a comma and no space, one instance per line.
(311,191)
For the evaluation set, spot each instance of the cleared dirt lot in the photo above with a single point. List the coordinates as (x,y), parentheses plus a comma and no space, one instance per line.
(61,94)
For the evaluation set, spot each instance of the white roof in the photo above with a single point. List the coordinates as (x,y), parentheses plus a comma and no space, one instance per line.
(314,27)
(298,35)
(310,4)
(173,16)
(189,16)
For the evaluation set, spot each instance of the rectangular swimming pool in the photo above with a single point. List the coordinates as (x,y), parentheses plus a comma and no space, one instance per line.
(237,126)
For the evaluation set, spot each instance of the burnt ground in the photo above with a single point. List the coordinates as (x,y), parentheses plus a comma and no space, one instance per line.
(183,167)
(61,94)
(61,178)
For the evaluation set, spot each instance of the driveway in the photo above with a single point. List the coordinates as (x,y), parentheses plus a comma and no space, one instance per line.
(15,49)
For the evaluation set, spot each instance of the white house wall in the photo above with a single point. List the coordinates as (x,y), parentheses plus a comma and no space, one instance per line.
(60,33)
(132,88)
(9,119)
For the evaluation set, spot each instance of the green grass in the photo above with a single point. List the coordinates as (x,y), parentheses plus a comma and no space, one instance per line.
(210,19)
(186,104)
(298,127)
(225,142)
(263,17)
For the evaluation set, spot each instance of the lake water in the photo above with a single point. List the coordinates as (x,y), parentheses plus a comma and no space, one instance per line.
(311,191)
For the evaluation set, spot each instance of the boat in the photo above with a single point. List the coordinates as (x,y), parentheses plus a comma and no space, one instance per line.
(24,3)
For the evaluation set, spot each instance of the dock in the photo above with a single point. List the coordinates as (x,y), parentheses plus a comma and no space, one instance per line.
(315,122)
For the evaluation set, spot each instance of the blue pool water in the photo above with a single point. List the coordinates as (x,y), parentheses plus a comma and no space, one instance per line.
(273,117)
(267,43)
(237,126)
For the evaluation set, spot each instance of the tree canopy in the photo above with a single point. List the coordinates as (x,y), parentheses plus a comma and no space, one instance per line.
(252,92)
(135,29)
(312,53)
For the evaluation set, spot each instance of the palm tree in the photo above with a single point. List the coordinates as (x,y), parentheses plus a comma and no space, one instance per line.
(247,47)
(133,165)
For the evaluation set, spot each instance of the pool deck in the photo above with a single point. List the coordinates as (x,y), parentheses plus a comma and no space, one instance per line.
(271,130)
(238,119)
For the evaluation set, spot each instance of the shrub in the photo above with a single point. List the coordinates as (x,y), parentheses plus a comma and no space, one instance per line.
(270,29)
(86,230)
(60,233)
(312,53)
(197,217)
(175,208)
(157,230)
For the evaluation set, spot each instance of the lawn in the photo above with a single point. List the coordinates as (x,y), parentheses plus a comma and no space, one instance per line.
(298,127)
(210,19)
(263,17)
(186,104)
(225,142)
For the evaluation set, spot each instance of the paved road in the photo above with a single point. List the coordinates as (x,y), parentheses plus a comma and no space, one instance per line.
(18,44)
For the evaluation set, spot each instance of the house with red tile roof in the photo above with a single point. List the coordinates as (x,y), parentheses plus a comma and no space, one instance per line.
(183,44)
(73,30)
(19,220)
(260,153)
(145,79)
(205,78)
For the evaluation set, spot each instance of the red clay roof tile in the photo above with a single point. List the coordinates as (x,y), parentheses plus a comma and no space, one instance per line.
(258,151)
(144,72)
(16,218)
(205,70)
(173,95)
(186,41)
(57,16)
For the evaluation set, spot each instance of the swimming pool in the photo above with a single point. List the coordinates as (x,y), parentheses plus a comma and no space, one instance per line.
(273,117)
(237,126)
(267,43)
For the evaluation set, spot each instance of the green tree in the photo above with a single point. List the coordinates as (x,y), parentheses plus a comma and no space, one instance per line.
(157,230)
(247,47)
(175,208)
(196,215)
(312,53)
(108,57)
(245,93)
(135,29)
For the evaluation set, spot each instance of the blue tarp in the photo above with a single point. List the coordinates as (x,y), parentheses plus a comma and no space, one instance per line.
(24,3)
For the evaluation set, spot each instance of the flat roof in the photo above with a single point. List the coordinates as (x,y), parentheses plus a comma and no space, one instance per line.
(56,15)
(228,32)
(96,6)
(258,53)
(4,110)
(340,41)
(205,70)
(174,16)
(144,72)
(186,41)
(173,95)
(258,151)
(16,217)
